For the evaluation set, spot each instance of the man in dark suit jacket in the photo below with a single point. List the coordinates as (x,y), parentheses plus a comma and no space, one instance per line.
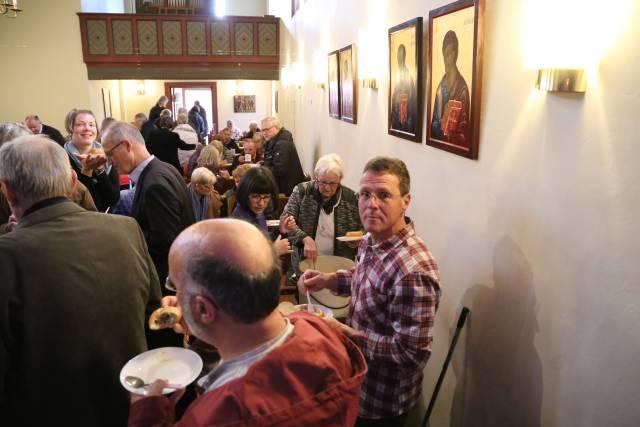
(161,204)
(34,123)
(77,289)
(281,156)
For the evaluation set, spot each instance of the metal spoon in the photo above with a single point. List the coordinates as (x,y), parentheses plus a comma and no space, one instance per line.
(136,382)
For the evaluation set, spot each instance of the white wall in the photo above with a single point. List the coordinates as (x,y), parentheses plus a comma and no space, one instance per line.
(539,237)
(246,7)
(103,6)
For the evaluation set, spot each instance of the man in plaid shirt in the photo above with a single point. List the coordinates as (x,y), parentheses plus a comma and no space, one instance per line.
(394,290)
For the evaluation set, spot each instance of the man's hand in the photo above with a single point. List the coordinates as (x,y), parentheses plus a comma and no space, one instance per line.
(172,301)
(313,280)
(156,390)
(310,248)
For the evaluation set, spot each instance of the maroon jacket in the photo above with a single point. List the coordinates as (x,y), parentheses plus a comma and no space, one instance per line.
(313,378)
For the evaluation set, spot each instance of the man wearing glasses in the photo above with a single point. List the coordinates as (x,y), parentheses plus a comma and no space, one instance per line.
(281,156)
(394,290)
(161,204)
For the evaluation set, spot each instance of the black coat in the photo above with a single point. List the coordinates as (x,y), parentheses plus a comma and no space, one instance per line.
(162,207)
(154,113)
(54,134)
(282,158)
(164,145)
(146,129)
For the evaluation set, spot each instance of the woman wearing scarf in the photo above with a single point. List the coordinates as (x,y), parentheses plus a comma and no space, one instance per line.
(205,200)
(89,161)
(323,209)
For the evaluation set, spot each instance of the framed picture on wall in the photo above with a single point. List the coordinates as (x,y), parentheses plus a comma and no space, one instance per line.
(405,80)
(348,84)
(334,85)
(244,103)
(454,79)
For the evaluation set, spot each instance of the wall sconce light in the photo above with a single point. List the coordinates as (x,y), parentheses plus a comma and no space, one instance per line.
(561,44)
(319,68)
(140,87)
(285,77)
(371,57)
(297,73)
(562,80)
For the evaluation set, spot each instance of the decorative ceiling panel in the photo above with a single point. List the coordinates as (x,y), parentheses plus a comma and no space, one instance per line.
(244,38)
(267,39)
(122,37)
(196,42)
(171,38)
(220,38)
(97,37)
(147,38)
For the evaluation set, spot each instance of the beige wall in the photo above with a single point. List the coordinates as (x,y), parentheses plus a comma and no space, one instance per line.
(42,68)
(539,237)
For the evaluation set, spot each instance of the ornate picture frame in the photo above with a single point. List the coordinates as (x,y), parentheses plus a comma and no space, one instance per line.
(334,84)
(348,71)
(454,77)
(405,115)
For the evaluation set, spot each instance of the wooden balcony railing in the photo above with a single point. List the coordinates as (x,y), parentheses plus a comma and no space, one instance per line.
(139,41)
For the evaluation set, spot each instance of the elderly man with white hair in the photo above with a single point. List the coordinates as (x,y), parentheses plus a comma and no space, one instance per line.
(323,209)
(77,287)
(281,156)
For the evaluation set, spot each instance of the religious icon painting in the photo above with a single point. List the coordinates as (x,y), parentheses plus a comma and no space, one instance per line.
(348,84)
(405,80)
(454,79)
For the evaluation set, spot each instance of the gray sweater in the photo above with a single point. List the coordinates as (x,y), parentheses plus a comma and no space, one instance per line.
(304,205)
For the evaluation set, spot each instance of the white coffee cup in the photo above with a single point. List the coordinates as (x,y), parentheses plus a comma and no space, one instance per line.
(247,158)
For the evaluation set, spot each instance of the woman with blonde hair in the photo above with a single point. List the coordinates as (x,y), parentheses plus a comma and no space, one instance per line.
(89,161)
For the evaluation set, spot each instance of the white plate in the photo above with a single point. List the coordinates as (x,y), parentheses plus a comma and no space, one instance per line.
(273,223)
(176,365)
(349,238)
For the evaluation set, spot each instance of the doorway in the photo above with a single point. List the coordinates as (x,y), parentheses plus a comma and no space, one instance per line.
(184,94)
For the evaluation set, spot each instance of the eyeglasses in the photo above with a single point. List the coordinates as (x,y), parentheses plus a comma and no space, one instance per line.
(382,196)
(109,153)
(328,184)
(267,129)
(260,197)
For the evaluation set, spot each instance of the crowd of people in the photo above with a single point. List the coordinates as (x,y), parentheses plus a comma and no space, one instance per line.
(102,226)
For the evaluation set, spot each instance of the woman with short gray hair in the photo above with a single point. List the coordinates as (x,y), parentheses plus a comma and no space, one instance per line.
(205,200)
(323,209)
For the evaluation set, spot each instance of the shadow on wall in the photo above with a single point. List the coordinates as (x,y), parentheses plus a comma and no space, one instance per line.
(498,371)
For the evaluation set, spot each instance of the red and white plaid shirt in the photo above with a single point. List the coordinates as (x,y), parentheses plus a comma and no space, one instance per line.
(395,291)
